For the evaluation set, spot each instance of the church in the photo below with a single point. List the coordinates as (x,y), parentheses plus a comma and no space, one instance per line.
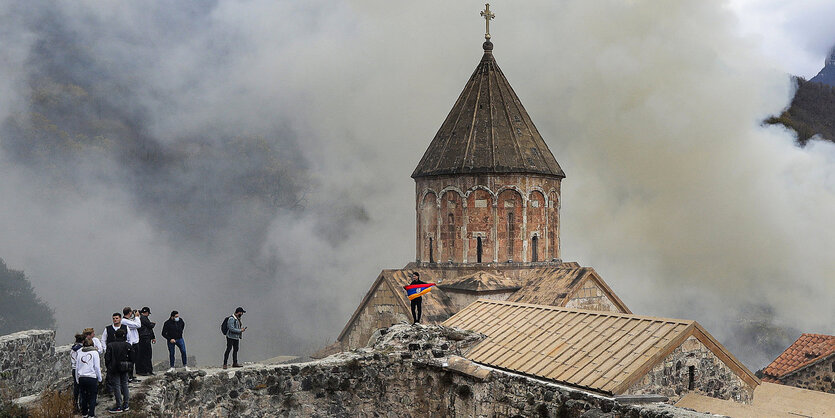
(487,205)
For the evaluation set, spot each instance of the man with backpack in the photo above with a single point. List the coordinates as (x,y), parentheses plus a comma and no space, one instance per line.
(119,358)
(233,329)
(172,331)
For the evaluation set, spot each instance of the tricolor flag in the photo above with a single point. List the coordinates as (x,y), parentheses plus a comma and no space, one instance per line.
(418,290)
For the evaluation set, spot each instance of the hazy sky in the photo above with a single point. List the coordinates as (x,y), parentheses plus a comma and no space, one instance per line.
(675,193)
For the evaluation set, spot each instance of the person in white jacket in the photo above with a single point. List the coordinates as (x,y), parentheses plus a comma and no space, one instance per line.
(131,320)
(91,334)
(88,377)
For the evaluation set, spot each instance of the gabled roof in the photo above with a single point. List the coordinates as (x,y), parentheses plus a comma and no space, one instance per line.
(808,349)
(555,286)
(601,351)
(437,306)
(481,281)
(770,400)
(487,131)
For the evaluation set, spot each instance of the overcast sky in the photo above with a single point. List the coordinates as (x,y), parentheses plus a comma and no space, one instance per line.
(675,192)
(795,34)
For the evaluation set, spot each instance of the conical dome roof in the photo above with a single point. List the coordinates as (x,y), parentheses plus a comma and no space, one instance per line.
(488,131)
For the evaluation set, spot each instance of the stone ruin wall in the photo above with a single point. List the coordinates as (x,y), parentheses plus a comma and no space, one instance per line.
(671,377)
(819,376)
(405,377)
(592,297)
(29,362)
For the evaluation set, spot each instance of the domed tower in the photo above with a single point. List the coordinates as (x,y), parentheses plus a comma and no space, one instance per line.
(488,187)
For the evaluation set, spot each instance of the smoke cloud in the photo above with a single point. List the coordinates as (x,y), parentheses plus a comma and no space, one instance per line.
(203,155)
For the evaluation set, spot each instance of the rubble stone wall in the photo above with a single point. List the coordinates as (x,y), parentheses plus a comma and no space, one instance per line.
(409,374)
(380,312)
(818,376)
(29,362)
(710,376)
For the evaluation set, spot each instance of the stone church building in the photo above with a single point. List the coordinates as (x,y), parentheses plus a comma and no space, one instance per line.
(487,203)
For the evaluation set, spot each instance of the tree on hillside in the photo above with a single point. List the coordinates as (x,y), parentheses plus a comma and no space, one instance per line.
(21,308)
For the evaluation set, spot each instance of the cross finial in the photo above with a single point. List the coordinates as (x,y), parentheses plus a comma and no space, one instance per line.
(488,16)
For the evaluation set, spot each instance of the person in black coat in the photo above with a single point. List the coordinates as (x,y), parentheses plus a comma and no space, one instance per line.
(144,351)
(119,358)
(172,331)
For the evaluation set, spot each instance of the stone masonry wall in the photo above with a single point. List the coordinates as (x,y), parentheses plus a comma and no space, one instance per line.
(29,362)
(410,372)
(592,297)
(380,312)
(818,376)
(711,377)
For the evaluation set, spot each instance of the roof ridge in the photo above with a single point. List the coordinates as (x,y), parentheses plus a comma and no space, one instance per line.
(590,311)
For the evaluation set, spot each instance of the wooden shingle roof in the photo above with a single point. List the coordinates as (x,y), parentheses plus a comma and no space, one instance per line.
(601,351)
(555,286)
(808,349)
(487,131)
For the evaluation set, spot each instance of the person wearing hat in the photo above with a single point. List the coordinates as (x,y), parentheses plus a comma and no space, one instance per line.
(146,338)
(234,333)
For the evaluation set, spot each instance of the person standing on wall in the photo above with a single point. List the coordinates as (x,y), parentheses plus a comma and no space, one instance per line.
(91,334)
(415,291)
(234,333)
(129,318)
(119,358)
(88,377)
(146,338)
(74,350)
(109,333)
(172,331)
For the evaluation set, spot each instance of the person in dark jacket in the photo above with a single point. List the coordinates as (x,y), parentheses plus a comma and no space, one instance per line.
(172,331)
(417,303)
(146,338)
(119,358)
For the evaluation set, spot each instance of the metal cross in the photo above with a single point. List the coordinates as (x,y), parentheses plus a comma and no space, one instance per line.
(488,16)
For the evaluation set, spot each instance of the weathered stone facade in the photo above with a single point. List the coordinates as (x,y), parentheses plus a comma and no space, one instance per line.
(30,362)
(488,219)
(816,376)
(693,367)
(410,372)
(591,297)
(381,311)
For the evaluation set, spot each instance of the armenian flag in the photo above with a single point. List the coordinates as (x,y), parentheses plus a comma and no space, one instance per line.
(417,290)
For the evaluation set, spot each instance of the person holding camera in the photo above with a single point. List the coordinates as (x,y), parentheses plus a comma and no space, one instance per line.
(129,319)
(119,358)
(234,334)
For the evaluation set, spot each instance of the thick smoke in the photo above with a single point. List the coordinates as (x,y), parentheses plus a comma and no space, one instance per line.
(205,155)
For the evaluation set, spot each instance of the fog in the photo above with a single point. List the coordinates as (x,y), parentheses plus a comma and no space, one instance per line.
(199,156)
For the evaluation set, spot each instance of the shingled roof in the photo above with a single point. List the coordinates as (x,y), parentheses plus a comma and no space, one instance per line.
(488,131)
(555,286)
(808,349)
(601,351)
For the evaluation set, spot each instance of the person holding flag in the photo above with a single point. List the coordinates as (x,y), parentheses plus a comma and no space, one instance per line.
(415,290)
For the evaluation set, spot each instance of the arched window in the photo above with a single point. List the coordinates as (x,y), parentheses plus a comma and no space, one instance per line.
(431,246)
(479,249)
(451,234)
(535,248)
(510,235)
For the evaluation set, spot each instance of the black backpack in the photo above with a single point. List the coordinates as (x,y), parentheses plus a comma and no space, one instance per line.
(224,326)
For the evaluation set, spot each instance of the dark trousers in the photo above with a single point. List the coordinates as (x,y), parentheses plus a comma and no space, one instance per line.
(74,392)
(417,308)
(118,382)
(231,345)
(134,348)
(143,356)
(181,344)
(88,390)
